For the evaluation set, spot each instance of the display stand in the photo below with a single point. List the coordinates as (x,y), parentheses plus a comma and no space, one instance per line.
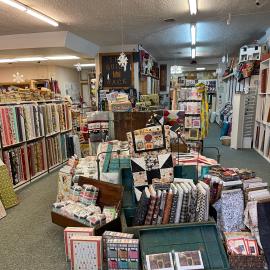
(262,122)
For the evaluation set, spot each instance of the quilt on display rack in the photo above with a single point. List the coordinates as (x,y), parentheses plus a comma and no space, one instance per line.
(150,155)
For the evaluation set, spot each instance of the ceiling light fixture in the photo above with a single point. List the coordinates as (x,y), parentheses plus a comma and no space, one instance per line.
(193,7)
(42,17)
(30,11)
(86,65)
(15,4)
(39,58)
(200,68)
(30,59)
(62,57)
(193,53)
(6,61)
(193,34)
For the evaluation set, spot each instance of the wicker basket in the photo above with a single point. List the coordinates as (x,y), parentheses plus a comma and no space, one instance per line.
(240,262)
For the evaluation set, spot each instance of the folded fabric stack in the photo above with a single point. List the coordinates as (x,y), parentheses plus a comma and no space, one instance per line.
(89,195)
(89,215)
(113,242)
(181,202)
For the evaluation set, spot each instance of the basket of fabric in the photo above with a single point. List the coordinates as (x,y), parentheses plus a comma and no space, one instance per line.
(247,262)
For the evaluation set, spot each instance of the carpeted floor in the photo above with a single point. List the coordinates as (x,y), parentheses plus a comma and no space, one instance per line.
(28,239)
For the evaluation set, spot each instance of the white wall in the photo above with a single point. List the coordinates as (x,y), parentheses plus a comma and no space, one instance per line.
(69,81)
(68,78)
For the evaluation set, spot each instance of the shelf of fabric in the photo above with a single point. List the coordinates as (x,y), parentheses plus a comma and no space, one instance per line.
(12,125)
(53,146)
(37,157)
(13,145)
(38,174)
(30,135)
(21,184)
(35,139)
(52,134)
(17,162)
(192,114)
(190,100)
(66,131)
(55,166)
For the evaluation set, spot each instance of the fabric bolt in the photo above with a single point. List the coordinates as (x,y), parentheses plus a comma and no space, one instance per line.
(162,207)
(174,205)
(142,208)
(263,210)
(7,194)
(193,204)
(167,207)
(2,211)
(185,205)
(151,207)
(251,220)
(157,206)
(230,211)
(179,203)
(201,204)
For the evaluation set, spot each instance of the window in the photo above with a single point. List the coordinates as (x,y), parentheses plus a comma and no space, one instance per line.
(176,70)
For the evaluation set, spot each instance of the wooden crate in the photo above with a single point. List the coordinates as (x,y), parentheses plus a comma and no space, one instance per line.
(109,195)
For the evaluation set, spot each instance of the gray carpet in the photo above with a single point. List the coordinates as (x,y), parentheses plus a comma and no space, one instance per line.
(241,158)
(28,239)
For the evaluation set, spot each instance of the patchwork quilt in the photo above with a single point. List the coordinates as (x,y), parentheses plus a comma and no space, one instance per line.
(150,155)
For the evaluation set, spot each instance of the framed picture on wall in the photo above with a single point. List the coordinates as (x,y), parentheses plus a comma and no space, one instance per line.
(182,80)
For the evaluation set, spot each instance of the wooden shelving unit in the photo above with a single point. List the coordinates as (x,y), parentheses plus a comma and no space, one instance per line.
(43,139)
(262,120)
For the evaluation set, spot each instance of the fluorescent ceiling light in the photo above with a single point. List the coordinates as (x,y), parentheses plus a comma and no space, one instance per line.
(7,61)
(15,4)
(200,68)
(39,58)
(30,11)
(62,57)
(193,53)
(193,7)
(42,17)
(85,65)
(30,59)
(193,34)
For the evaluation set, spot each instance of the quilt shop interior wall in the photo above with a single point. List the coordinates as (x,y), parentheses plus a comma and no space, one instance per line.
(68,78)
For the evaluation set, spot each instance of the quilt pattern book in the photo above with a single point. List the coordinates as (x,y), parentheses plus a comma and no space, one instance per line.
(150,155)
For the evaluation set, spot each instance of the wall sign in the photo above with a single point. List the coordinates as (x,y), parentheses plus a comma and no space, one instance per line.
(114,75)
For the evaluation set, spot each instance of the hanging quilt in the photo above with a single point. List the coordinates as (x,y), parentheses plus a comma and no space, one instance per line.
(151,159)
(156,138)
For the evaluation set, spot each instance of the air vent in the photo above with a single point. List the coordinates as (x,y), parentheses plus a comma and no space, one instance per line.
(169,20)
